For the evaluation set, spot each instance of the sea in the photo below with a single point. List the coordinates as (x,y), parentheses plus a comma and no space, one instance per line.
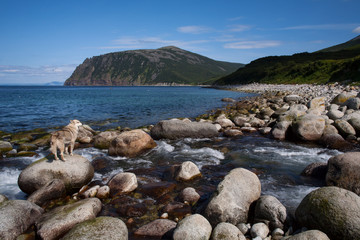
(278,164)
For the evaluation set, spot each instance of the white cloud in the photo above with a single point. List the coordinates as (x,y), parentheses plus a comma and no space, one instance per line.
(239,28)
(37,71)
(356,30)
(194,29)
(252,44)
(321,27)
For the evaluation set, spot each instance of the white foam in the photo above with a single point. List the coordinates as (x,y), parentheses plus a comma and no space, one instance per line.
(8,183)
(163,146)
(89,153)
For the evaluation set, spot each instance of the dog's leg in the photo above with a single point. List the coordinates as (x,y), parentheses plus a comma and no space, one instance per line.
(71,148)
(62,148)
(53,149)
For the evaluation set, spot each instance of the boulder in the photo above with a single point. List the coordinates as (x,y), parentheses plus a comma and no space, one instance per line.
(52,190)
(75,172)
(58,221)
(292,98)
(122,183)
(344,127)
(227,231)
(335,114)
(5,147)
(256,122)
(343,97)
(317,104)
(355,123)
(269,210)
(335,141)
(175,129)
(316,170)
(131,144)
(233,197)
(353,103)
(187,171)
(99,228)
(344,171)
(189,195)
(309,127)
(280,129)
(310,235)
(224,122)
(194,227)
(157,189)
(85,134)
(259,230)
(16,217)
(27,147)
(331,210)
(240,120)
(103,139)
(156,229)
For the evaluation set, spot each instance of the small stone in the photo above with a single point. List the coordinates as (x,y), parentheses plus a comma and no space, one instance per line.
(123,183)
(190,195)
(188,170)
(259,230)
(244,228)
(103,192)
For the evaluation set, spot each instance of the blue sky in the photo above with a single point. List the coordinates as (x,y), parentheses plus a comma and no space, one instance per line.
(43,41)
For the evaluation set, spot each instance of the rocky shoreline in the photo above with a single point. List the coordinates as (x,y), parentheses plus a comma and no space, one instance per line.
(64,203)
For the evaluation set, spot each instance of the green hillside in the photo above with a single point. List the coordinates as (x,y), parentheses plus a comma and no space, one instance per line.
(340,63)
(167,65)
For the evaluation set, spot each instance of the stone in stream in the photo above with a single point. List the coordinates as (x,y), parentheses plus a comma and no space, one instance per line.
(309,127)
(122,183)
(156,229)
(269,209)
(103,139)
(194,227)
(52,190)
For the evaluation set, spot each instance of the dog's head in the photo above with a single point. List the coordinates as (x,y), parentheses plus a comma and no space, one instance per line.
(76,122)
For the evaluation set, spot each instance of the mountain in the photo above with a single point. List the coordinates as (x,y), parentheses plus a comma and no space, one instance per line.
(166,66)
(340,63)
(54,83)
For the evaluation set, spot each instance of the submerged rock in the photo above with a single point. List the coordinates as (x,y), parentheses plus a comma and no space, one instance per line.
(190,195)
(75,172)
(157,228)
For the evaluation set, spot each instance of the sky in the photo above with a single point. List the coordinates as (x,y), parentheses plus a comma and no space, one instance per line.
(44,41)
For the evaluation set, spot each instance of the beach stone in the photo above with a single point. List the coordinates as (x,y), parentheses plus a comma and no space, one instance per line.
(344,127)
(98,228)
(131,144)
(355,123)
(266,112)
(344,171)
(353,103)
(277,234)
(224,123)
(309,127)
(52,190)
(103,192)
(317,103)
(85,134)
(190,195)
(75,172)
(240,120)
(194,227)
(330,129)
(331,210)
(343,97)
(256,122)
(265,130)
(310,235)
(316,170)
(233,197)
(233,133)
(55,223)
(292,98)
(175,129)
(259,230)
(16,217)
(188,170)
(5,147)
(156,229)
(227,231)
(335,114)
(122,183)
(269,210)
(103,139)
(280,129)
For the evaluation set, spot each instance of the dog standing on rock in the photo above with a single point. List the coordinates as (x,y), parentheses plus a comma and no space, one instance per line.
(64,139)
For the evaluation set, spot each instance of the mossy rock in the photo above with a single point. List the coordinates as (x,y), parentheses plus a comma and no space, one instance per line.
(27,147)
(42,141)
(5,146)
(26,154)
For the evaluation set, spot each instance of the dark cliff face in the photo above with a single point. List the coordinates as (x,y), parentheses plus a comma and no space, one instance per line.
(168,65)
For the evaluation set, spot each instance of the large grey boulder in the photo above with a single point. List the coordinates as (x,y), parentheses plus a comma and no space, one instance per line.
(52,190)
(98,229)
(156,229)
(344,171)
(16,217)
(269,210)
(332,210)
(194,227)
(60,220)
(233,197)
(175,129)
(227,231)
(75,172)
(309,127)
(131,144)
(103,139)
(355,123)
(310,235)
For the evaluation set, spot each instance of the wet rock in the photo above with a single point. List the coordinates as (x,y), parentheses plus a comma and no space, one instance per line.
(122,183)
(99,228)
(224,122)
(103,192)
(227,205)
(60,220)
(131,144)
(103,139)
(52,190)
(331,210)
(248,129)
(317,104)
(353,103)
(190,195)
(227,231)
(259,230)
(187,171)
(344,171)
(176,210)
(157,189)
(156,229)
(343,97)
(256,122)
(265,130)
(175,129)
(355,123)
(85,134)
(27,147)
(335,141)
(280,129)
(335,114)
(266,112)
(344,127)
(310,235)
(75,172)
(269,210)
(90,192)
(310,127)
(232,133)
(16,217)
(5,146)
(194,227)
(241,120)
(316,170)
